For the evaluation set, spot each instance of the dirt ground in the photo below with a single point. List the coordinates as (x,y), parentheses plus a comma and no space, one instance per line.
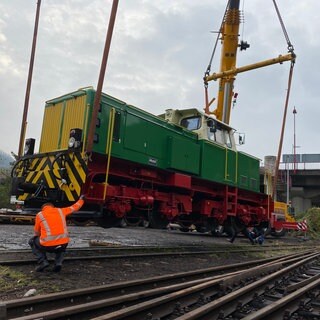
(15,281)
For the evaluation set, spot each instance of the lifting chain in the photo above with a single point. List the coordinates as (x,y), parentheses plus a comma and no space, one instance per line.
(290,46)
(207,73)
(290,49)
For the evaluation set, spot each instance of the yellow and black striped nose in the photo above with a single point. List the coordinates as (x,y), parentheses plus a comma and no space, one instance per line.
(65,172)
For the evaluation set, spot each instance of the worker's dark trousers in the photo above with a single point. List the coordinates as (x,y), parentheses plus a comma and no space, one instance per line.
(248,235)
(41,251)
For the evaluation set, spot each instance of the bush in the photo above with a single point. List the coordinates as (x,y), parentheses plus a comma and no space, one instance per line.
(313,221)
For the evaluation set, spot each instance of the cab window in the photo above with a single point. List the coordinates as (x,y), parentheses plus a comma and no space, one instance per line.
(219,136)
(192,123)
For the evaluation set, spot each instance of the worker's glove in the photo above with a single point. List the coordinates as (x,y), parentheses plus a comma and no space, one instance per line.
(82,197)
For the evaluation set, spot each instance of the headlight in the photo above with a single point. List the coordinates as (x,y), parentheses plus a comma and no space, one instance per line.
(71,142)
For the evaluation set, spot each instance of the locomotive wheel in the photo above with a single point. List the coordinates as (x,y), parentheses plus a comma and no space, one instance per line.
(185,223)
(215,228)
(81,222)
(122,223)
(108,221)
(201,229)
(157,220)
(145,223)
(132,221)
(184,226)
(218,232)
(133,218)
(229,230)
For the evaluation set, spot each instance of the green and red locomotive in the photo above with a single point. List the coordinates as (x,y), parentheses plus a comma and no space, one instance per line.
(181,166)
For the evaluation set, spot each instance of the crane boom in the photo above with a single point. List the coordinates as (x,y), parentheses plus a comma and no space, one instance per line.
(228,70)
(229,37)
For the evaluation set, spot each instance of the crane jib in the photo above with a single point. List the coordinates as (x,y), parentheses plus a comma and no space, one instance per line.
(265,63)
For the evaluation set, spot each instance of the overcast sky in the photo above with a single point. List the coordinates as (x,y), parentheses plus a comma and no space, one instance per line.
(159,53)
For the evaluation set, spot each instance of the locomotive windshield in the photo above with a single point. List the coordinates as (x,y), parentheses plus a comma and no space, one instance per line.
(191,123)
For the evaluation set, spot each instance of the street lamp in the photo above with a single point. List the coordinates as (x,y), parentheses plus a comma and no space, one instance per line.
(288,181)
(294,139)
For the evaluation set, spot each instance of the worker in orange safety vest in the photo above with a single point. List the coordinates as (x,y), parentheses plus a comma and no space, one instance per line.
(51,234)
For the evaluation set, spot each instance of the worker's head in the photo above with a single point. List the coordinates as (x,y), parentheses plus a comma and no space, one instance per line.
(47,204)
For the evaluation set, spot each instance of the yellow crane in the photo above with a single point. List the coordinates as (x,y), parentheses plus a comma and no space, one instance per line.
(229,36)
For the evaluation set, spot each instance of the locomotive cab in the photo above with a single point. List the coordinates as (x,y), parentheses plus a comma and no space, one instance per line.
(206,127)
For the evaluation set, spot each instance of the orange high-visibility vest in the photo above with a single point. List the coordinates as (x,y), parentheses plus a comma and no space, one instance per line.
(51,226)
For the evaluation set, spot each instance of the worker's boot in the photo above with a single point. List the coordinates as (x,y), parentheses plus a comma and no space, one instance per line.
(41,256)
(42,265)
(58,261)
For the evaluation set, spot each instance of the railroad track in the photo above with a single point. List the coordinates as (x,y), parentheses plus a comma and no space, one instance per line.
(200,294)
(23,257)
(288,293)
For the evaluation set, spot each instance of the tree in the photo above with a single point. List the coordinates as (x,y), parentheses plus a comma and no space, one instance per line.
(5,187)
